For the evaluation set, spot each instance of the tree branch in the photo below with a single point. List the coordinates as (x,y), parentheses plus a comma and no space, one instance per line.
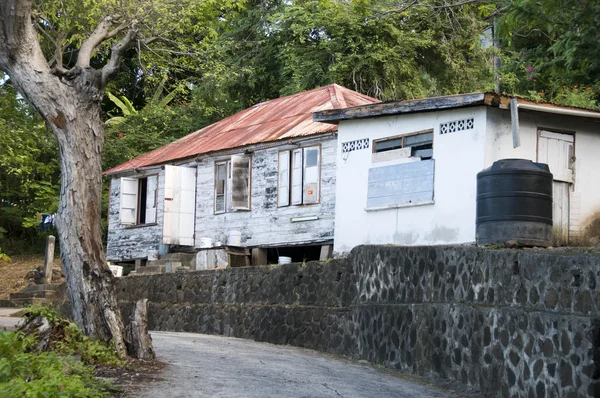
(116,56)
(458,4)
(18,40)
(101,33)
(405,6)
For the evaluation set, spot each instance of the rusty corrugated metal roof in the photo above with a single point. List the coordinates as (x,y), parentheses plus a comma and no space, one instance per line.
(281,118)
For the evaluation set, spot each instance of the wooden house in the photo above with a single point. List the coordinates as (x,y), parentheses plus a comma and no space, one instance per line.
(262,180)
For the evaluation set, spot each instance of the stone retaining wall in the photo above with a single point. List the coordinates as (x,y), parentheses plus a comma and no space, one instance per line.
(505,322)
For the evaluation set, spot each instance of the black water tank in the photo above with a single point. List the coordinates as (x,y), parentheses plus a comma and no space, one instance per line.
(514,202)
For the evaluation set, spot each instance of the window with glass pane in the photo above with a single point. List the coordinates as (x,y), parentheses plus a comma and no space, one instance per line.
(388,145)
(421,144)
(220,187)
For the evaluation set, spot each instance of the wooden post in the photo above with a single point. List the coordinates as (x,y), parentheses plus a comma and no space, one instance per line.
(259,256)
(49,259)
(326,252)
(137,331)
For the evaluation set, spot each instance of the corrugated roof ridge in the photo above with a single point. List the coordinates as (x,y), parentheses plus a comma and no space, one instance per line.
(260,104)
(337,98)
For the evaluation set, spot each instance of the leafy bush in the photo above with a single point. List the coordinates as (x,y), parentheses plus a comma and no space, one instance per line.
(4,256)
(66,370)
(47,374)
(68,339)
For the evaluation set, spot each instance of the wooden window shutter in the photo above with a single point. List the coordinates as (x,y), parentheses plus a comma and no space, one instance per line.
(240,182)
(129,201)
(297,176)
(312,174)
(283,189)
(179,205)
(187,207)
(151,189)
(171,204)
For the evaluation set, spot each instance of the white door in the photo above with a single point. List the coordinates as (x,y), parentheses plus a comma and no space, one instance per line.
(180,205)
(556,150)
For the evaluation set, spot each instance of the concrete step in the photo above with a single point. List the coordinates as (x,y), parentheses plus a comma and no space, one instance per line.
(154,263)
(151,269)
(33,294)
(12,312)
(8,324)
(7,304)
(37,288)
(23,302)
(187,259)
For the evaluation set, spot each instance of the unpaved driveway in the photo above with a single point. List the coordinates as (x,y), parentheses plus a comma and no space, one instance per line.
(213,366)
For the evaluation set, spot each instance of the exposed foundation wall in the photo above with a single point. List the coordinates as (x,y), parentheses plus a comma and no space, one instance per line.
(507,323)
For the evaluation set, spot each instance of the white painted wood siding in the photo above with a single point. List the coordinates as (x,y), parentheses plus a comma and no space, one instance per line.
(130,242)
(266,223)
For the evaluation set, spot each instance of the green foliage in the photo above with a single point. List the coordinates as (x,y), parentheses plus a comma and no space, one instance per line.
(3,256)
(263,50)
(31,374)
(550,48)
(218,57)
(29,170)
(68,339)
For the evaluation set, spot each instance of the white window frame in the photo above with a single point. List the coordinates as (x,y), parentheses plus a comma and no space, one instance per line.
(403,151)
(151,208)
(225,180)
(229,177)
(302,183)
(284,178)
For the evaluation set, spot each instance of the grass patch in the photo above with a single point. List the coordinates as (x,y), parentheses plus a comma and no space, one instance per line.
(65,369)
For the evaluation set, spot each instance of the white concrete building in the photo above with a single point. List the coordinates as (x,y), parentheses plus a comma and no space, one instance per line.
(406,171)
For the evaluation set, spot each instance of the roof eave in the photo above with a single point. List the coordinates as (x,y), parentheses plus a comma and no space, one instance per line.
(395,108)
(226,151)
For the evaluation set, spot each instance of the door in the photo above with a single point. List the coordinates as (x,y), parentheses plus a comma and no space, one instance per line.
(557,150)
(180,205)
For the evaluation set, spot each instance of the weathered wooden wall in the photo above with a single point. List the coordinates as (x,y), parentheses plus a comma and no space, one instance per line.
(130,242)
(264,225)
(267,224)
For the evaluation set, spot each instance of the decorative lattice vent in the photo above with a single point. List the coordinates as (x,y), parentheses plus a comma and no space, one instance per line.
(457,125)
(355,145)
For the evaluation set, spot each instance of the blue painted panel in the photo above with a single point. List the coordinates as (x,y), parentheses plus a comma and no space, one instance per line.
(401,184)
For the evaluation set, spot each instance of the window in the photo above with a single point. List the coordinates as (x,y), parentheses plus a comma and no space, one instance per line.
(221,186)
(232,184)
(406,183)
(299,176)
(416,145)
(138,200)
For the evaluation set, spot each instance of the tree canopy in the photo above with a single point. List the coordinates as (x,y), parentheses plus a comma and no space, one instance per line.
(218,57)
(551,50)
(28,167)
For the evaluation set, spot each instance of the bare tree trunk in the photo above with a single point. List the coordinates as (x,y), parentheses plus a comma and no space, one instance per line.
(69,101)
(89,279)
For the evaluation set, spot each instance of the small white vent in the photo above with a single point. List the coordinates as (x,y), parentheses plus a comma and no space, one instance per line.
(457,125)
(355,145)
